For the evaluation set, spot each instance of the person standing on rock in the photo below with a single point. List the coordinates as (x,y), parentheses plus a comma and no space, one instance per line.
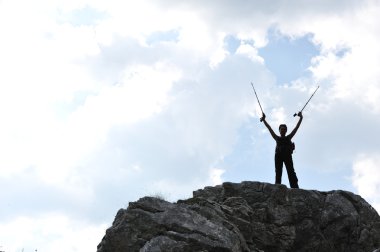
(284,151)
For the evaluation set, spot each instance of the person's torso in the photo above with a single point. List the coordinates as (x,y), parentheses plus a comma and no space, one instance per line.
(284,145)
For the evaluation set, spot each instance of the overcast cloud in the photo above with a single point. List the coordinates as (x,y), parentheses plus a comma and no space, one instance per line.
(106,102)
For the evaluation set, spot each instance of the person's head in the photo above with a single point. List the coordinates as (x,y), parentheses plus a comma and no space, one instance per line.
(283,129)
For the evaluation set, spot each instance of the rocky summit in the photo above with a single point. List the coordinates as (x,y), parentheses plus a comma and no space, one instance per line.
(247,216)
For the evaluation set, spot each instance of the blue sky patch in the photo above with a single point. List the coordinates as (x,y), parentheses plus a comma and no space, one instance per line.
(163,36)
(288,58)
(231,43)
(342,52)
(84,16)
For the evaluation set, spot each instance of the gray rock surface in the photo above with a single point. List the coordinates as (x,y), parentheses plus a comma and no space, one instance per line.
(247,216)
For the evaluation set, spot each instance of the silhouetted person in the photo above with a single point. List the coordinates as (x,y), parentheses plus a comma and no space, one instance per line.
(284,151)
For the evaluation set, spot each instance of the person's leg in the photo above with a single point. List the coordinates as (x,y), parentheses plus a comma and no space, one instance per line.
(293,180)
(278,161)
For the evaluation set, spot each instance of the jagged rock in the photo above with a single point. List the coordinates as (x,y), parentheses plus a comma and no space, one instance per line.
(247,216)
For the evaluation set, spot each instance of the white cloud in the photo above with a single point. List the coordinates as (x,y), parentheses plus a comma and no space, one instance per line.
(142,92)
(172,190)
(366,178)
(95,112)
(216,176)
(250,51)
(52,232)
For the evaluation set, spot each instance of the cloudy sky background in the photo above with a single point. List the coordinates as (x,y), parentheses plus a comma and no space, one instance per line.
(104,102)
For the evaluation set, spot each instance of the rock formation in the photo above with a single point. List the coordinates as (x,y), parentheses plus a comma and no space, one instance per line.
(247,216)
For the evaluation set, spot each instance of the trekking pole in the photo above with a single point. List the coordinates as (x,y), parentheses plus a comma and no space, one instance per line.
(258,101)
(307,101)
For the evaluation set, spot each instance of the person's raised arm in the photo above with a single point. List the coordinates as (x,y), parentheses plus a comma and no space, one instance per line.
(268,127)
(294,131)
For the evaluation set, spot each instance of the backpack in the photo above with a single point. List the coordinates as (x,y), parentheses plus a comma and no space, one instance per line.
(293,147)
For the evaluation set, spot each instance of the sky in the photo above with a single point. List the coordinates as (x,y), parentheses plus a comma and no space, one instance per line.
(105,102)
